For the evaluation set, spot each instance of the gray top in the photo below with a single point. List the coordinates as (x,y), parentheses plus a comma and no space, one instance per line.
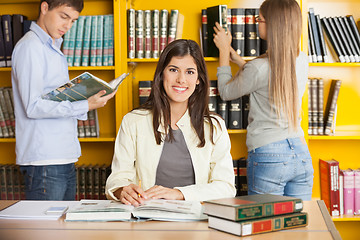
(264,126)
(175,167)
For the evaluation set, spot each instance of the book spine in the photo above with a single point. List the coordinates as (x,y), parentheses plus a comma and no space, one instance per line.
(348,39)
(245,109)
(242,182)
(155,21)
(312,41)
(96,188)
(82,182)
(107,26)
(314,101)
(337,38)
(111,41)
(131,33)
(163,28)
(236,173)
(86,42)
(204,32)
(17,27)
(16,181)
(2,47)
(354,29)
(235,114)
(341,192)
(100,40)
(229,20)
(144,91)
(332,39)
(349,187)
(250,33)
(330,105)
(8,42)
(342,38)
(6,114)
(213,96)
(79,41)
(215,14)
(223,110)
(139,34)
(147,35)
(315,32)
(310,124)
(238,30)
(4,130)
(81,129)
(9,105)
(71,50)
(93,40)
(9,183)
(351,34)
(173,20)
(334,188)
(322,39)
(103,177)
(320,107)
(3,188)
(357,191)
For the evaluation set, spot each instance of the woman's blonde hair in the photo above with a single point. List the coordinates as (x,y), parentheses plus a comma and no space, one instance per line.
(283,29)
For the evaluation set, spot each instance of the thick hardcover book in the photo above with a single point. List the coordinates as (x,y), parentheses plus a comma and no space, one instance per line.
(173,20)
(9,105)
(351,34)
(310,111)
(204,32)
(2,47)
(263,225)
(85,55)
(252,206)
(164,15)
(229,20)
(349,39)
(111,41)
(139,34)
(354,29)
(93,123)
(338,39)
(320,108)
(144,91)
(156,209)
(312,42)
(103,177)
(331,105)
(341,191)
(245,109)
(222,109)
(331,36)
(71,44)
(155,23)
(82,181)
(343,39)
(322,39)
(242,189)
(147,34)
(9,183)
(89,182)
(235,114)
(349,188)
(93,40)
(3,188)
(83,87)
(8,38)
(329,185)
(96,186)
(131,33)
(215,14)
(107,29)
(17,25)
(357,191)
(6,114)
(100,40)
(316,37)
(314,107)
(251,38)
(238,30)
(81,129)
(79,41)
(3,128)
(213,92)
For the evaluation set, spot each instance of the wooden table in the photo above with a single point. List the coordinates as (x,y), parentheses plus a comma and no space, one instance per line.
(320,227)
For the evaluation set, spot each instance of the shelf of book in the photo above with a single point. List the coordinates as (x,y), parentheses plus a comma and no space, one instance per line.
(346,218)
(339,135)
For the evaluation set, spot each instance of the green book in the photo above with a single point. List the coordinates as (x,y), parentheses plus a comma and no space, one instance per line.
(83,87)
(252,206)
(79,41)
(86,42)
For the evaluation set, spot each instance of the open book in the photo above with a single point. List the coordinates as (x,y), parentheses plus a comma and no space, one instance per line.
(83,87)
(157,209)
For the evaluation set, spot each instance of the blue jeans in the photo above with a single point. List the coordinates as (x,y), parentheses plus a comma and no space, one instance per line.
(281,168)
(50,182)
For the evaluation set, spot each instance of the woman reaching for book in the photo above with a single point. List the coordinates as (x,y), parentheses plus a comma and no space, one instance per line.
(172,144)
(279,161)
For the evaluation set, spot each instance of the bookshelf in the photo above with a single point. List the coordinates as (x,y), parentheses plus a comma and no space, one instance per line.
(343,146)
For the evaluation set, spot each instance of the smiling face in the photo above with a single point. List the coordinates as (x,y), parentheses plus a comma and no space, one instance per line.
(57,21)
(180,80)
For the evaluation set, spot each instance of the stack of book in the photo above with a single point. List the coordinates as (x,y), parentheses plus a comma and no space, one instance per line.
(90,41)
(253,214)
(89,127)
(342,36)
(322,121)
(7,116)
(340,189)
(149,31)
(240,22)
(12,185)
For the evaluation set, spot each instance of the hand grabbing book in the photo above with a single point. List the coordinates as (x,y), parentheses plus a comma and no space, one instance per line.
(82,87)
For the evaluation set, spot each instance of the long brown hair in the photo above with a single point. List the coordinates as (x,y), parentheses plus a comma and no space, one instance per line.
(158,101)
(283,28)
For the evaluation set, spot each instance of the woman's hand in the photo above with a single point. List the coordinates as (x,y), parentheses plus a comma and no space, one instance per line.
(235,58)
(158,192)
(131,195)
(98,100)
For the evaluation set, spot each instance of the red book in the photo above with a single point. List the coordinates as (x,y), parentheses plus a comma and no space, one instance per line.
(329,185)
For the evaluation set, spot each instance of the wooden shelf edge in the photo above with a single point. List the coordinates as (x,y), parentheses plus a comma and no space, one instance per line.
(346,218)
(5,140)
(97,139)
(154,60)
(92,68)
(336,64)
(236,131)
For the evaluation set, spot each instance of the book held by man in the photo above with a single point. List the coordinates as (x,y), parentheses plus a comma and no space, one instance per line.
(155,209)
(82,87)
(252,206)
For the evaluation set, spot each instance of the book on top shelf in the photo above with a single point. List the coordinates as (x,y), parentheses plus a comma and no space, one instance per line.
(215,14)
(261,225)
(331,104)
(83,87)
(155,209)
(349,187)
(252,206)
